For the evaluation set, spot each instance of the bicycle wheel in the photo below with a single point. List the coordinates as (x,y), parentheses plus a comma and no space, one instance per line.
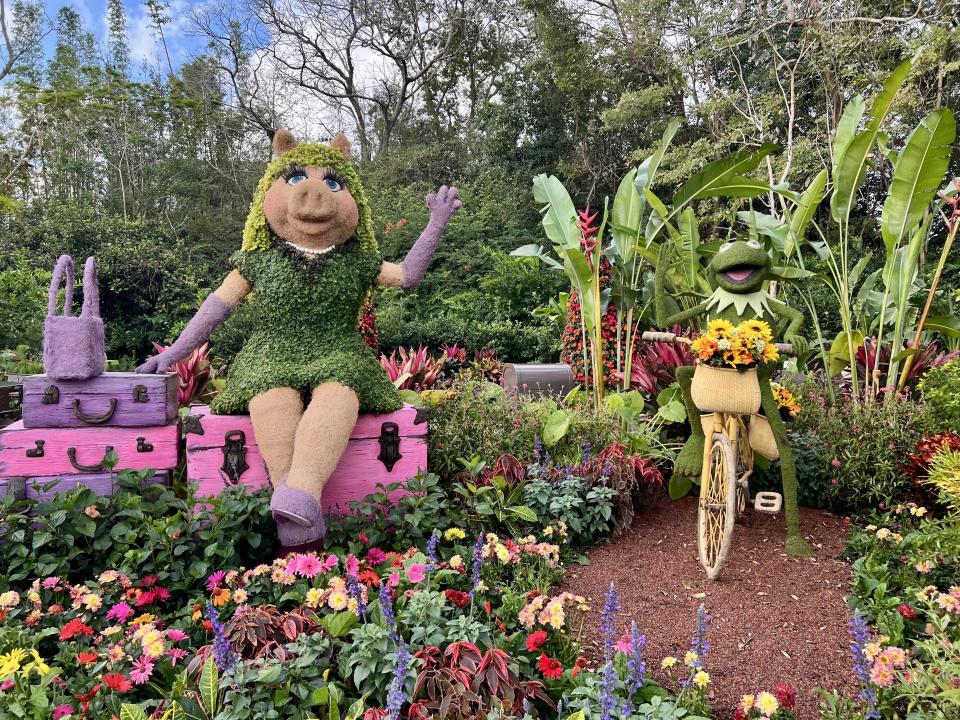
(717,511)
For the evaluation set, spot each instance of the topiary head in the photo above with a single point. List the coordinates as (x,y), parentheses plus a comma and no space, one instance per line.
(741,266)
(311,196)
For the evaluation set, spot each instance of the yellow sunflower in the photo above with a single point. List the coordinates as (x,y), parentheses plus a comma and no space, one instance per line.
(720,328)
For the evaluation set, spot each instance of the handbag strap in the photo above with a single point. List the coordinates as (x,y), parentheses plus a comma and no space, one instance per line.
(91,291)
(64,265)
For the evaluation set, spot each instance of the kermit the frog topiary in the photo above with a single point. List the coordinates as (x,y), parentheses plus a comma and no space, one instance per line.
(739,272)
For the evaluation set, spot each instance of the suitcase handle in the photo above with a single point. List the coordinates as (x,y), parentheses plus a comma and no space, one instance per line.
(94,419)
(99,467)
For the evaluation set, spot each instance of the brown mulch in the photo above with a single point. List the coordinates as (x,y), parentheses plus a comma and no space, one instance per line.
(774,618)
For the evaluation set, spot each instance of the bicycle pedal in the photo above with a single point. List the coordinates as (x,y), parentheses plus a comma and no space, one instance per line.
(768,502)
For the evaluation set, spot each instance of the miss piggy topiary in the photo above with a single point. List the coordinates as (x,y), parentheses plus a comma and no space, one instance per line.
(310,254)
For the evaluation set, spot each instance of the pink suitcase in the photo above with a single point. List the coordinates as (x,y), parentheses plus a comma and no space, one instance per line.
(55,452)
(116,399)
(383,449)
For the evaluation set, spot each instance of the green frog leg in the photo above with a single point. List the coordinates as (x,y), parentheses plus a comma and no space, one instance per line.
(275,415)
(795,545)
(689,462)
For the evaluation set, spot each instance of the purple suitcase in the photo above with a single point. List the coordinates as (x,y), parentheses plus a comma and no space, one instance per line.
(113,400)
(100,483)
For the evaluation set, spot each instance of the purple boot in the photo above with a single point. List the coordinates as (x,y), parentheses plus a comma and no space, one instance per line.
(296,538)
(297,506)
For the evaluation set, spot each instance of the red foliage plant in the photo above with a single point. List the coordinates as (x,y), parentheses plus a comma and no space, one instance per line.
(414,370)
(462,680)
(654,365)
(917,466)
(195,375)
(929,357)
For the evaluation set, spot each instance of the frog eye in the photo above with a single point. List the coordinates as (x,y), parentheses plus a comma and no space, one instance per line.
(725,247)
(755,244)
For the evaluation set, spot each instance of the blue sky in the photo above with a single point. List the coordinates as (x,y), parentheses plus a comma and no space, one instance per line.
(143,42)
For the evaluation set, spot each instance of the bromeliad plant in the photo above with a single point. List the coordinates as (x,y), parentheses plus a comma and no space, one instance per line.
(414,370)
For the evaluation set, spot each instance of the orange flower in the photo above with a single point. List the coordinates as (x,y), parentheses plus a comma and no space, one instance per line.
(221,596)
(86,658)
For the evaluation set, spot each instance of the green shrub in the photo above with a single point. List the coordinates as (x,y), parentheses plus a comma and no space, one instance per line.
(814,479)
(856,451)
(23,303)
(480,420)
(940,388)
(139,531)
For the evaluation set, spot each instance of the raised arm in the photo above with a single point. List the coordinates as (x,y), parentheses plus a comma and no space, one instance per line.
(410,272)
(218,306)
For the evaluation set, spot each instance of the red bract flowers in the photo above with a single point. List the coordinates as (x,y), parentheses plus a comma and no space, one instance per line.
(73,628)
(535,640)
(117,682)
(785,694)
(551,668)
(457,597)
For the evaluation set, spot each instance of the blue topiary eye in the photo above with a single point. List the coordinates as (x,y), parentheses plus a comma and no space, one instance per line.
(333,184)
(296,178)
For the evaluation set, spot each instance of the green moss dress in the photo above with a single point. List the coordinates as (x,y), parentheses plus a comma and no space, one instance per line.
(307,328)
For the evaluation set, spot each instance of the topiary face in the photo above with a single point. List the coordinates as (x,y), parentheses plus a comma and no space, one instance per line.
(741,266)
(311,196)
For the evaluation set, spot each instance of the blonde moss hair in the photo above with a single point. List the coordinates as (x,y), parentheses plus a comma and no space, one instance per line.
(256,233)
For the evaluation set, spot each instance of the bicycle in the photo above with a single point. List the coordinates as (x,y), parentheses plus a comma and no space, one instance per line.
(728,463)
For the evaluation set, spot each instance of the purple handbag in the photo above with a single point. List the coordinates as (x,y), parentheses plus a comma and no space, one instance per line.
(73,347)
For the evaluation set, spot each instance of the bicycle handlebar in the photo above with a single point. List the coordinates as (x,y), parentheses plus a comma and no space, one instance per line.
(668,337)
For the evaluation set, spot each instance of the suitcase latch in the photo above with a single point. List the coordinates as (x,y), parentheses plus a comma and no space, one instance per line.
(234,456)
(140,394)
(389,445)
(51,395)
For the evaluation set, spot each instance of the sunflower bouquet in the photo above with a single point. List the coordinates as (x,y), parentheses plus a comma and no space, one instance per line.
(742,346)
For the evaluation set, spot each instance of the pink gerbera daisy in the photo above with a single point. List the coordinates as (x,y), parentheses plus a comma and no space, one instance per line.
(330,563)
(175,635)
(176,654)
(213,582)
(307,566)
(62,711)
(352,564)
(120,612)
(142,670)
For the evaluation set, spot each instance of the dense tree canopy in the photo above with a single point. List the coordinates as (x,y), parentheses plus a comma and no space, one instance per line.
(151,167)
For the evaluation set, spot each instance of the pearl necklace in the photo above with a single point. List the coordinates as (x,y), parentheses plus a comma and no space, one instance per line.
(311,251)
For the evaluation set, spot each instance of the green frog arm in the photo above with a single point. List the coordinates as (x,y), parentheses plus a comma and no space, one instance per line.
(795,320)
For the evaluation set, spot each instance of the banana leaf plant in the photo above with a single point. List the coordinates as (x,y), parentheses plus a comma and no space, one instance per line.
(872,302)
(639,222)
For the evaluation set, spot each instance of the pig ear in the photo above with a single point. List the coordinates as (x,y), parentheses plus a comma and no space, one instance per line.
(283,140)
(341,143)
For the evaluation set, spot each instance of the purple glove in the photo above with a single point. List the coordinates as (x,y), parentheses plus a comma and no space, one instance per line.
(442,207)
(213,312)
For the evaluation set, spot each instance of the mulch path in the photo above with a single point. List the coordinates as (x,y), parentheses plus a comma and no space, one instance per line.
(774,618)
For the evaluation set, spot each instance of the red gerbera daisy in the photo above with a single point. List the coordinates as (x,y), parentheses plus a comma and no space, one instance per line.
(117,682)
(73,628)
(457,597)
(535,640)
(551,668)
(85,658)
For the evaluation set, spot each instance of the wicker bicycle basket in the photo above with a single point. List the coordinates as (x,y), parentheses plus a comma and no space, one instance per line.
(762,439)
(725,390)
